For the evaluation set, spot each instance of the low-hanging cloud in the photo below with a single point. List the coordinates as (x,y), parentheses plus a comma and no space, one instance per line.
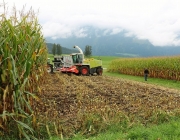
(155,20)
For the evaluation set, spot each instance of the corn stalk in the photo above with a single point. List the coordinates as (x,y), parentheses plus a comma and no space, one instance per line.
(23,56)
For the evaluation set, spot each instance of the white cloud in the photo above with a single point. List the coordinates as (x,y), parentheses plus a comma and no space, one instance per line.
(80,33)
(56,30)
(155,20)
(115,31)
(106,32)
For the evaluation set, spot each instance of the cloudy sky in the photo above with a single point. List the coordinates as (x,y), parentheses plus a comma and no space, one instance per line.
(155,20)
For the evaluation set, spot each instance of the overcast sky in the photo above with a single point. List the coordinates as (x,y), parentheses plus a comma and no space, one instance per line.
(155,20)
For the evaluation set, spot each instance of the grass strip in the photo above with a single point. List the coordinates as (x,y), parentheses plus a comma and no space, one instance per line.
(156,81)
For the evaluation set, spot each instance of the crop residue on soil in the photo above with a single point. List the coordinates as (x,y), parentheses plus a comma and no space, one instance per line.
(65,96)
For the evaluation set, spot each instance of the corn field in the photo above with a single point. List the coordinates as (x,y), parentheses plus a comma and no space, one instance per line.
(159,67)
(23,57)
(63,105)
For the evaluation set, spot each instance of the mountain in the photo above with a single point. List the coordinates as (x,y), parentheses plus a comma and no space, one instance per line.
(108,44)
(64,49)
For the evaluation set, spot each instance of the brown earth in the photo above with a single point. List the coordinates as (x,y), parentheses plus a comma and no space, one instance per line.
(66,98)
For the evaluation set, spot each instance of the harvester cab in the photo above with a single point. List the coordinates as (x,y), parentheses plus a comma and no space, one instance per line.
(75,63)
(77,58)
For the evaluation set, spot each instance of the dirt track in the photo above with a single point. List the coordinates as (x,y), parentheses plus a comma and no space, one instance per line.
(65,96)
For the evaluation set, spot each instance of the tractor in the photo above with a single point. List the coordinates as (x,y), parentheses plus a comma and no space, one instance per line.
(77,64)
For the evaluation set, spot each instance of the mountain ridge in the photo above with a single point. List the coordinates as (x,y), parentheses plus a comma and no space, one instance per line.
(115,45)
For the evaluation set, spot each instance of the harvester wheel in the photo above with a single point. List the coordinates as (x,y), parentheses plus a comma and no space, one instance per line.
(84,70)
(99,71)
(48,69)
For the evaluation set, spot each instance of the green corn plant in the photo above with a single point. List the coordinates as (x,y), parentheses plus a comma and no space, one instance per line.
(23,56)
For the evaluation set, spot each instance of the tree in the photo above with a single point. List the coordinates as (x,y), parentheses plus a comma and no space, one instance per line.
(59,49)
(88,51)
(54,49)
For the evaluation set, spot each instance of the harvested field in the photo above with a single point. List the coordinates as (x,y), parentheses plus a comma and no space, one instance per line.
(70,101)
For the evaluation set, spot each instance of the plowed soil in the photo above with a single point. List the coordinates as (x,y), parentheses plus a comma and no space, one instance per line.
(66,96)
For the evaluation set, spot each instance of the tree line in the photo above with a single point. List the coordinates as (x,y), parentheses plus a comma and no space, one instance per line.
(57,50)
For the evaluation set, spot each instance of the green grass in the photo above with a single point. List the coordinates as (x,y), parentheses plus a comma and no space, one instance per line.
(156,81)
(105,59)
(51,56)
(164,131)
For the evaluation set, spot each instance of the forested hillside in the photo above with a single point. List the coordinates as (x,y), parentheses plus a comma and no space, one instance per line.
(64,50)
